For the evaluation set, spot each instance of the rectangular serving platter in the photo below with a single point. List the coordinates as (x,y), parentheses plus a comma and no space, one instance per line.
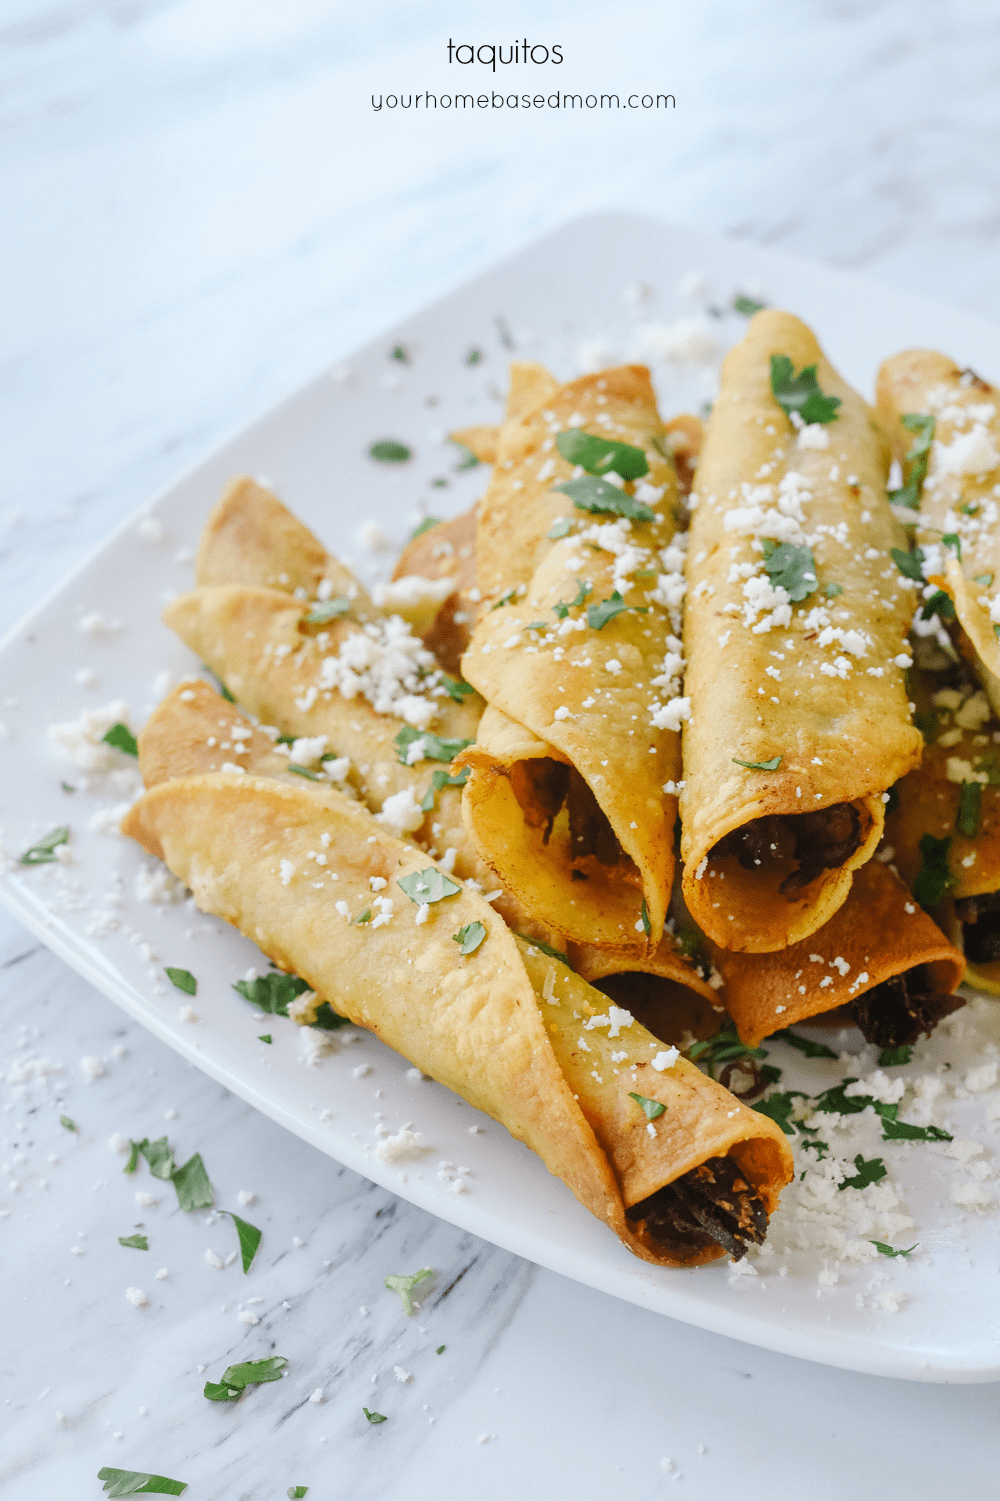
(596,291)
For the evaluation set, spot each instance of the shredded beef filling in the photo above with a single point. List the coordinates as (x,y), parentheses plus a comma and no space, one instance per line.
(823,840)
(544,786)
(712,1203)
(980,919)
(897,1012)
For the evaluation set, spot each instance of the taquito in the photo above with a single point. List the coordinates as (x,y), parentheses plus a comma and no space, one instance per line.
(443,553)
(326,893)
(795,630)
(944,423)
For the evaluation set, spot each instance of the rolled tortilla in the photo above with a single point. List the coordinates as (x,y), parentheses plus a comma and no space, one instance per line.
(444,553)
(880,956)
(814,687)
(959,497)
(514,1032)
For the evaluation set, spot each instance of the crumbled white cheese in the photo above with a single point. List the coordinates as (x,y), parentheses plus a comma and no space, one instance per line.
(401,812)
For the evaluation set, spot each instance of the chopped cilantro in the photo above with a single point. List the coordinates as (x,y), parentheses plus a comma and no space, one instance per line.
(805,1044)
(265,1037)
(121,737)
(424,526)
(644,918)
(296,1492)
(819,1147)
(430,885)
(456,688)
(272,993)
(249,1238)
(66,787)
(183,979)
(985,579)
(329,609)
(599,615)
(133,1157)
(747,305)
(724,1047)
(952,539)
(939,603)
(303,771)
(834,1101)
(328,1020)
(505,598)
(373,1417)
(771,765)
(779,1107)
(871,1171)
(801,393)
(194,1191)
(474,356)
(405,1285)
(236,1378)
(910,563)
(134,1242)
(583,589)
(159,1156)
(138,1483)
(365,917)
(470,937)
(560,528)
(431,746)
(969,806)
(790,567)
(832,590)
(468,459)
(545,948)
(894,1130)
(933,878)
(601,497)
(917,458)
(389,451)
(64,1120)
(44,852)
(601,455)
(440,1350)
(884,1250)
(439,779)
(651,1109)
(401,353)
(893,1057)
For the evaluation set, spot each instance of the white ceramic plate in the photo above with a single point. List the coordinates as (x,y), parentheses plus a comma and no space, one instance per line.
(598,290)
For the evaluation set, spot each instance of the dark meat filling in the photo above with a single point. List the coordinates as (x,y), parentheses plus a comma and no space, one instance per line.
(713,1203)
(897,1012)
(823,840)
(980,919)
(544,786)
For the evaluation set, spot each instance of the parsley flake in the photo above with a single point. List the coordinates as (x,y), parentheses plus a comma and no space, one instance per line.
(134,1242)
(805,1045)
(651,1109)
(583,589)
(374,1417)
(440,1349)
(747,305)
(893,1057)
(546,948)
(159,1156)
(194,1191)
(917,458)
(644,918)
(505,598)
(249,1238)
(439,779)
(470,937)
(430,885)
(910,564)
(560,528)
(985,579)
(474,356)
(884,1250)
(405,1285)
(933,878)
(871,1171)
(952,539)
(790,567)
(121,737)
(389,451)
(832,590)
(264,1037)
(724,1047)
(969,807)
(138,1483)
(64,1120)
(296,1492)
(601,455)
(401,353)
(432,747)
(236,1378)
(44,852)
(599,615)
(771,765)
(272,993)
(303,771)
(365,917)
(894,1130)
(602,498)
(330,609)
(183,979)
(801,393)
(939,603)
(779,1108)
(457,689)
(425,525)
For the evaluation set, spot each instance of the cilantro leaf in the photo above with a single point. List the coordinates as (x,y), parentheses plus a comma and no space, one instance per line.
(328,1020)
(400,353)
(790,567)
(832,590)
(560,528)
(894,1130)
(985,579)
(872,1171)
(249,1238)
(265,1037)
(724,1047)
(805,1045)
(602,498)
(747,305)
(835,1102)
(546,948)
(365,917)
(159,1156)
(891,1057)
(917,459)
(138,1483)
(272,992)
(389,451)
(601,455)
(133,1157)
(771,765)
(819,1147)
(374,1417)
(940,603)
(599,615)
(121,737)
(933,878)
(439,779)
(194,1191)
(430,885)
(910,564)
(296,1492)
(183,979)
(440,1349)
(236,1378)
(952,539)
(426,524)
(474,356)
(329,609)
(432,747)
(779,1107)
(969,806)
(651,1109)
(884,1250)
(801,393)
(583,589)
(456,688)
(65,1120)
(134,1242)
(470,937)
(644,918)
(303,771)
(44,851)
(505,598)
(405,1285)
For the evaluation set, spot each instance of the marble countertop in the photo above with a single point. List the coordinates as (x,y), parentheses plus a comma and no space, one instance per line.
(207,211)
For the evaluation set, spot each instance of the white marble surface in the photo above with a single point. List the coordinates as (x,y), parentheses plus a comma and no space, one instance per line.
(201,211)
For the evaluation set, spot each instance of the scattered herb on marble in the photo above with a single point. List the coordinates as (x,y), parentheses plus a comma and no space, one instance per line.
(236,1378)
(801,393)
(264,1037)
(138,1483)
(430,885)
(790,567)
(296,1492)
(159,1156)
(374,1417)
(400,353)
(134,1242)
(884,1250)
(66,787)
(194,1191)
(404,1286)
(601,497)
(871,1171)
(970,799)
(583,589)
(329,609)
(805,1045)
(917,458)
(599,456)
(432,747)
(441,779)
(389,451)
(933,878)
(64,1120)
(771,765)
(121,738)
(249,1238)
(891,1057)
(651,1109)
(183,979)
(44,852)
(440,1350)
(599,615)
(470,937)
